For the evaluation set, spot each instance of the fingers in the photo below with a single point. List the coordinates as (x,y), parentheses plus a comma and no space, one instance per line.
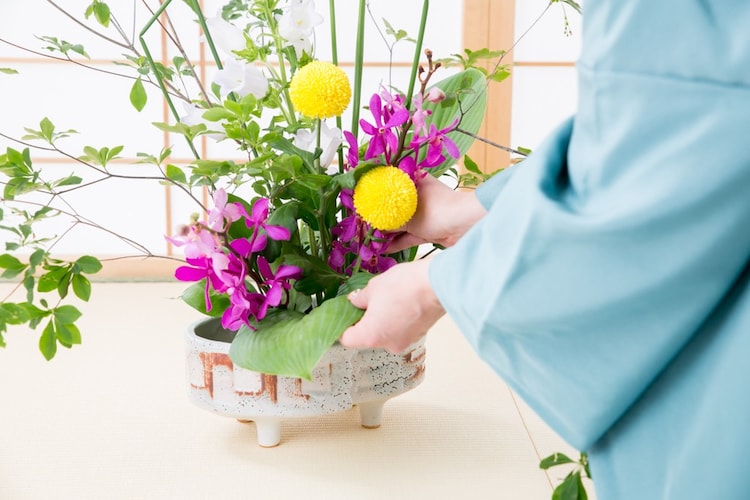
(358,298)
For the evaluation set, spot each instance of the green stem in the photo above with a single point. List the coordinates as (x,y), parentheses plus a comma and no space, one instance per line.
(335,61)
(417,51)
(157,75)
(274,27)
(358,66)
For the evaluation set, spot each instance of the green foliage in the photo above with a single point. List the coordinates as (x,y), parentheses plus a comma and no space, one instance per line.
(63,46)
(101,156)
(138,96)
(477,59)
(9,71)
(572,487)
(291,343)
(101,12)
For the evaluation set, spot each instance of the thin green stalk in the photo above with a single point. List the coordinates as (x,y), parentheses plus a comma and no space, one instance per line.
(335,61)
(358,63)
(202,21)
(155,71)
(417,51)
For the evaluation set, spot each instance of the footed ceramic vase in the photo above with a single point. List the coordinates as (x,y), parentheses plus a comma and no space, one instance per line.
(342,378)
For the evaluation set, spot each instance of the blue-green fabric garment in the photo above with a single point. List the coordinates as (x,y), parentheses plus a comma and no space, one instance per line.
(609,284)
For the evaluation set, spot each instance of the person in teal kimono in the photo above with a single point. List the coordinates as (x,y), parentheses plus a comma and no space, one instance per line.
(606,278)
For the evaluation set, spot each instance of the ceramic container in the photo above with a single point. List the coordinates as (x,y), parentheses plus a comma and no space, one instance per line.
(343,378)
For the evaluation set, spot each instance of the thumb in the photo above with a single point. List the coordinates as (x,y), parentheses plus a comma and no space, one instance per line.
(359,298)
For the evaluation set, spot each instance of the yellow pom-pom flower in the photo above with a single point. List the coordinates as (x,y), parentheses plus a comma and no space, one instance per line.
(320,90)
(386,198)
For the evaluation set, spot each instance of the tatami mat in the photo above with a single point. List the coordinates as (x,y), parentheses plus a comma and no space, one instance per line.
(110,420)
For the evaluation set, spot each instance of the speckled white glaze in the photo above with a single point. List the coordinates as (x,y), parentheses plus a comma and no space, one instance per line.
(343,378)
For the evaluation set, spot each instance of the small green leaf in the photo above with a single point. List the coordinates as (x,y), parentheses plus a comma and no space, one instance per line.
(66,314)
(471,166)
(102,13)
(571,488)
(88,264)
(47,128)
(81,287)
(8,71)
(48,341)
(217,113)
(138,95)
(555,459)
(176,174)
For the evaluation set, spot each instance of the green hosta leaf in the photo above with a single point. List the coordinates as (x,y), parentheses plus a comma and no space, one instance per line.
(467,94)
(290,343)
(138,95)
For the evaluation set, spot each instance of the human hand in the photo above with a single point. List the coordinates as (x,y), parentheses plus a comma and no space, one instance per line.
(400,307)
(443,215)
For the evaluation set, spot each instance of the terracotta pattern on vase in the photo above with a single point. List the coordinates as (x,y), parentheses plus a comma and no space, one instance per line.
(343,378)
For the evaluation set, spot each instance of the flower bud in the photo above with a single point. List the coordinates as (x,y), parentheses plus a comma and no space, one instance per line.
(435,95)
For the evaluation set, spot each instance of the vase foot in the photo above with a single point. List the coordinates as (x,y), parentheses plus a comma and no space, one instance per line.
(370,413)
(268,431)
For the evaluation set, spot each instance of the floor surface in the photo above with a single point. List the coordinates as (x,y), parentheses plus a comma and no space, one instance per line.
(109,419)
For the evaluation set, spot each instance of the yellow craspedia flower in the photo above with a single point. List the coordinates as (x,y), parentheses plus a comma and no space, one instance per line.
(386,198)
(320,90)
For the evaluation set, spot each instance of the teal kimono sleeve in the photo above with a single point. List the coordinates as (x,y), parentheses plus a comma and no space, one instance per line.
(607,249)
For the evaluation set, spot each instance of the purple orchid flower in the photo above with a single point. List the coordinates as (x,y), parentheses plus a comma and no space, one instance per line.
(258,220)
(277,282)
(352,155)
(384,139)
(223,213)
(200,268)
(436,140)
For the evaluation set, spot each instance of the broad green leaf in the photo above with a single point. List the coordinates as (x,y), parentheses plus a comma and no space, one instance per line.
(81,287)
(468,99)
(290,343)
(48,341)
(138,95)
(355,282)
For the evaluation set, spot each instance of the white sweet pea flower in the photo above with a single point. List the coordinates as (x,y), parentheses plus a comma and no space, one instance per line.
(241,78)
(330,140)
(194,116)
(226,36)
(297,23)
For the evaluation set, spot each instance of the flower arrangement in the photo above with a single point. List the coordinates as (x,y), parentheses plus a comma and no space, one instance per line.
(310,213)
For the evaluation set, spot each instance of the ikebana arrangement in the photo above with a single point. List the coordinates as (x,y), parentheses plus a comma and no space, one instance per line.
(308,215)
